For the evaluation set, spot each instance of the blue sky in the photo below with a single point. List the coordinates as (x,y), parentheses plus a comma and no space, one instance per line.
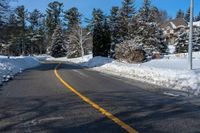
(86,6)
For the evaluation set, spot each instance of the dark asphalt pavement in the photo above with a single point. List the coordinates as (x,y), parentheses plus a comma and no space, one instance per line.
(36,102)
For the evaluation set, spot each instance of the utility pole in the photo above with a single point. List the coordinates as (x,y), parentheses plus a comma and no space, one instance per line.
(191,34)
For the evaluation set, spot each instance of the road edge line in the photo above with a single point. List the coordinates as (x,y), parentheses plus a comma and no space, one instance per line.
(106,113)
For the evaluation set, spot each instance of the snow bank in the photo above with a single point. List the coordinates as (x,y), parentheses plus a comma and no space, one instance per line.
(14,65)
(170,72)
(74,60)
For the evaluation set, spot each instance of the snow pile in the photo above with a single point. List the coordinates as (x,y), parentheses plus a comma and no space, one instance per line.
(170,73)
(42,57)
(14,65)
(74,60)
(171,49)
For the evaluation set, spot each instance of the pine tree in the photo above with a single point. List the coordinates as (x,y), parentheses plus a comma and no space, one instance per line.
(197,17)
(97,16)
(58,49)
(114,27)
(182,42)
(4,11)
(54,11)
(13,34)
(150,38)
(21,14)
(164,15)
(106,39)
(74,33)
(101,39)
(162,44)
(73,17)
(155,15)
(187,15)
(126,14)
(180,14)
(196,39)
(144,12)
(97,39)
(35,19)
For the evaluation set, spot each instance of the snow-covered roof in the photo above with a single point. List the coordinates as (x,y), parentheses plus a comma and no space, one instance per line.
(175,23)
(196,23)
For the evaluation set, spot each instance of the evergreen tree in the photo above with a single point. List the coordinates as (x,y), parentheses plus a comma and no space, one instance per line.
(35,20)
(21,14)
(150,38)
(54,11)
(4,11)
(73,17)
(196,39)
(164,15)
(74,33)
(162,44)
(182,42)
(155,15)
(106,39)
(144,12)
(187,15)
(13,34)
(198,17)
(97,16)
(101,39)
(126,14)
(58,48)
(180,14)
(114,27)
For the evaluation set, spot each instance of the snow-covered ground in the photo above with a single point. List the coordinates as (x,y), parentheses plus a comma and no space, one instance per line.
(171,71)
(74,60)
(14,65)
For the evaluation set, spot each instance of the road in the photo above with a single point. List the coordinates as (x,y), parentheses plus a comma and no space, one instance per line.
(37,101)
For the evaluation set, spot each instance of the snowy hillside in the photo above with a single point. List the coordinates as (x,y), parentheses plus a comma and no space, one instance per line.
(171,72)
(14,65)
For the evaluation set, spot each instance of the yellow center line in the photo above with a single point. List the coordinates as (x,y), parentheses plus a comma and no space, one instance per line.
(128,128)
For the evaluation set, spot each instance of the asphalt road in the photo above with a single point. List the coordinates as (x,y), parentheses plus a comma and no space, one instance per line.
(37,102)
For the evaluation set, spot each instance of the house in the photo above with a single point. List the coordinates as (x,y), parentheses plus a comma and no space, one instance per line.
(172,27)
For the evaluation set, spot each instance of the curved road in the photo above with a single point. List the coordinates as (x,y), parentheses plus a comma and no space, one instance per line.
(36,101)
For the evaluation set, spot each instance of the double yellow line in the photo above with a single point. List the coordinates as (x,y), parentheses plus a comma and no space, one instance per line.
(93,104)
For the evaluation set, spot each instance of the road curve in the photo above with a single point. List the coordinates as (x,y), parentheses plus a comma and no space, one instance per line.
(36,101)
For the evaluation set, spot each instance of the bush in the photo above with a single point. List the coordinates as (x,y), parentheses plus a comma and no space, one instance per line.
(129,52)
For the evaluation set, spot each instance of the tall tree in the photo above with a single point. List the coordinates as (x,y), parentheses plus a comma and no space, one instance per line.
(21,14)
(197,17)
(182,42)
(106,39)
(180,14)
(155,15)
(97,17)
(101,34)
(114,27)
(54,11)
(187,15)
(4,11)
(164,15)
(126,14)
(35,19)
(74,33)
(144,12)
(58,48)
(196,39)
(73,17)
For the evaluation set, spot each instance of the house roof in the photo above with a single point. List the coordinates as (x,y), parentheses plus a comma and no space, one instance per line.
(175,23)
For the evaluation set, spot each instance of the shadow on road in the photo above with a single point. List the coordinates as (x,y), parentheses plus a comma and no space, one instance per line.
(52,114)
